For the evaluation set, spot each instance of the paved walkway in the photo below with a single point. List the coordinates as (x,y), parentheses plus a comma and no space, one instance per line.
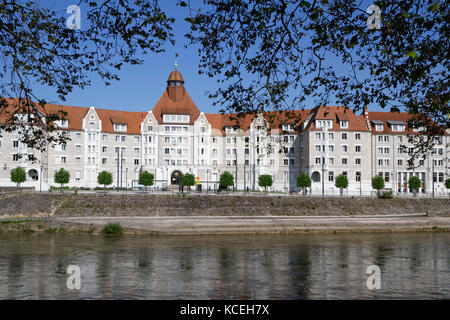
(269,224)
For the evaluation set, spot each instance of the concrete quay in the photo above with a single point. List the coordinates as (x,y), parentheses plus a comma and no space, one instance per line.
(195,225)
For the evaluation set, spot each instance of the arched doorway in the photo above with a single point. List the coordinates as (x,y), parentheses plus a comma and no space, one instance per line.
(33,174)
(175,177)
(315,177)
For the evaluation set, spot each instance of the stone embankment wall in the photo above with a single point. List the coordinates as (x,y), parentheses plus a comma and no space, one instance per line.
(113,205)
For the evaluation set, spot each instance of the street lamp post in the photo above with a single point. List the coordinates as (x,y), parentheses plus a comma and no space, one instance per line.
(126,180)
(207,180)
(432,176)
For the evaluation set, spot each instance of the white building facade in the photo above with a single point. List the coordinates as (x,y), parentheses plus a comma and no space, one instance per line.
(175,138)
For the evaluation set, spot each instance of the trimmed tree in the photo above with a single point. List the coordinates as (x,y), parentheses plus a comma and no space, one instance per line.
(146,178)
(265,180)
(303,182)
(226,180)
(18,176)
(187,180)
(341,183)
(62,177)
(447,184)
(414,185)
(378,184)
(105,178)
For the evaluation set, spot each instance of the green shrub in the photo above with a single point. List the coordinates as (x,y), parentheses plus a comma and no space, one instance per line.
(265,180)
(226,180)
(18,176)
(146,178)
(386,195)
(62,177)
(188,180)
(105,178)
(303,182)
(112,228)
(377,183)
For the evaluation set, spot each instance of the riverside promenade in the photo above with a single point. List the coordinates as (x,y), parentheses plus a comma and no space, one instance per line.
(195,225)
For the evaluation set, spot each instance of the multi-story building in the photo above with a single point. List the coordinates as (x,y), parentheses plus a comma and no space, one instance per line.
(175,137)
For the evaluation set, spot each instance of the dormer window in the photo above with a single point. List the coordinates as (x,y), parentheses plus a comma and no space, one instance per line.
(343,124)
(419,129)
(176,118)
(288,127)
(324,124)
(379,125)
(230,130)
(397,126)
(62,123)
(120,127)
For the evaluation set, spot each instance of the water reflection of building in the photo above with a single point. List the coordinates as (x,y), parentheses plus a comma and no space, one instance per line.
(264,267)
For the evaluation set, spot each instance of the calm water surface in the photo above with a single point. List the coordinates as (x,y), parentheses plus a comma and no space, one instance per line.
(413,265)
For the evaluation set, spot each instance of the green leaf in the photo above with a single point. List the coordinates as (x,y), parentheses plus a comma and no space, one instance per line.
(305,4)
(412,54)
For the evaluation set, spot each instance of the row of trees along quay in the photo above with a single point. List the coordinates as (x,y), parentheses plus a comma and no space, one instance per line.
(269,55)
(146,179)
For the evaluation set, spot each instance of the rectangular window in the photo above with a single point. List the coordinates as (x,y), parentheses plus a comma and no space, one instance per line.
(15,144)
(15,157)
(103,160)
(318,160)
(330,176)
(122,138)
(104,137)
(77,160)
(344,160)
(136,162)
(357,136)
(358,161)
(344,136)
(344,148)
(358,176)
(78,136)
(400,162)
(357,148)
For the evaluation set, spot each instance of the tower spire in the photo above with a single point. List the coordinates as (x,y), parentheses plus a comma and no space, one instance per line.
(176,62)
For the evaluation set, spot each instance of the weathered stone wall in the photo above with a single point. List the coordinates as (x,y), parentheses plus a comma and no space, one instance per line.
(195,205)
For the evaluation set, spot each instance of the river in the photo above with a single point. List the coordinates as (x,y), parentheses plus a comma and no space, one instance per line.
(306,266)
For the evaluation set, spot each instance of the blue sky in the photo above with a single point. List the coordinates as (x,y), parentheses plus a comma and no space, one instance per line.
(141,86)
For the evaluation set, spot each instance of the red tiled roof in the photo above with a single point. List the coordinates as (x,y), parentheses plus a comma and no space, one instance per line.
(390,116)
(221,121)
(175,75)
(133,120)
(334,113)
(277,118)
(175,100)
(75,115)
